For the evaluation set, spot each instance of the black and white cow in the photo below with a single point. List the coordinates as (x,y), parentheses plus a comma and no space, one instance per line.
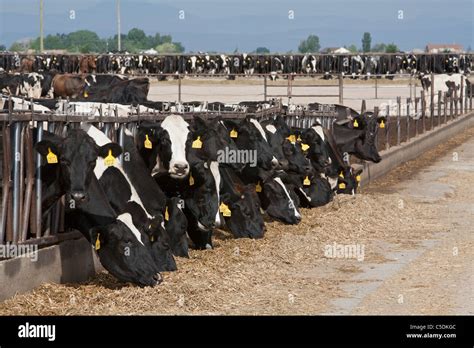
(123,250)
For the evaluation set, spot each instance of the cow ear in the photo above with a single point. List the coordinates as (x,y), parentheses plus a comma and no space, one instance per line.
(105,149)
(44,147)
(226,198)
(199,124)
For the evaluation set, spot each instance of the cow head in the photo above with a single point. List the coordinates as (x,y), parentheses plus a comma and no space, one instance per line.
(280,201)
(348,180)
(163,146)
(176,225)
(245,220)
(201,205)
(77,155)
(252,137)
(367,148)
(313,142)
(125,252)
(160,246)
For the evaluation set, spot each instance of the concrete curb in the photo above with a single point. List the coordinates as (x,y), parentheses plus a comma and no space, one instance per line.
(397,155)
(70,261)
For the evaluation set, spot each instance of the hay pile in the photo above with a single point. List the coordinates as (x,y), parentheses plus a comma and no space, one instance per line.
(284,273)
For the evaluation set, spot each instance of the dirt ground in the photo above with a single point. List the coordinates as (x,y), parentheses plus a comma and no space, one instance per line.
(413,226)
(252,88)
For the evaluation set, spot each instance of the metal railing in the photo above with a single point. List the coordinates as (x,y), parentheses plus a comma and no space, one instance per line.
(23,220)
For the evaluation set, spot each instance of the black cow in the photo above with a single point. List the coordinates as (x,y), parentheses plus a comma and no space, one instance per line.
(123,250)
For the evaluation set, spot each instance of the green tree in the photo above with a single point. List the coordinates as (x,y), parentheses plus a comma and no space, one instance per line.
(366,42)
(262,50)
(168,47)
(353,48)
(3,48)
(379,47)
(20,46)
(136,35)
(311,44)
(392,48)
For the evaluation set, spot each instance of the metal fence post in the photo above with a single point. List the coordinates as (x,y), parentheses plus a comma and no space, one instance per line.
(179,88)
(387,125)
(432,97)
(399,111)
(341,89)
(265,87)
(408,118)
(439,107)
(376,94)
(445,107)
(461,97)
(423,110)
(16,159)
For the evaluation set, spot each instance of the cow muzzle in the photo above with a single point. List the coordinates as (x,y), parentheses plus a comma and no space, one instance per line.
(179,170)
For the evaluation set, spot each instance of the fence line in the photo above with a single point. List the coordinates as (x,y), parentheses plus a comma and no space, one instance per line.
(22,216)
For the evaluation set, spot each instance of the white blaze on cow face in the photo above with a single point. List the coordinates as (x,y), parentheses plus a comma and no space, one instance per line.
(126,218)
(319,131)
(178,131)
(140,61)
(217,179)
(291,203)
(224,62)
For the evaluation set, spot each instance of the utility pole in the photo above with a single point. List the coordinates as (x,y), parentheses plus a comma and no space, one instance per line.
(41,27)
(119,39)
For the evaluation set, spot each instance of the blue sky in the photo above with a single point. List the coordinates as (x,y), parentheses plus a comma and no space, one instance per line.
(220,25)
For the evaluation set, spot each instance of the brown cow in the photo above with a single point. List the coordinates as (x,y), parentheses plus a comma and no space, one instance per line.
(87,64)
(68,85)
(26,65)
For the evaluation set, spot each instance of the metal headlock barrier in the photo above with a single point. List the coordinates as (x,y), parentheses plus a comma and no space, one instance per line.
(22,219)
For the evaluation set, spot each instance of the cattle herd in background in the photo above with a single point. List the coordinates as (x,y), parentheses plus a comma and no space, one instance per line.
(240,64)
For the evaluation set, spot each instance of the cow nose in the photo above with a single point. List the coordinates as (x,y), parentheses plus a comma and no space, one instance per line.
(181,167)
(78,196)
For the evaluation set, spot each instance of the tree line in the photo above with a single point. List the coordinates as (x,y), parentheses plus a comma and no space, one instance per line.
(86,41)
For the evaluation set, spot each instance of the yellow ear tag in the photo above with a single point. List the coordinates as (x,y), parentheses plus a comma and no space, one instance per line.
(358,178)
(356,124)
(51,158)
(382,124)
(152,238)
(304,147)
(299,138)
(167,215)
(191,180)
(292,138)
(233,133)
(86,94)
(342,186)
(97,242)
(197,144)
(148,144)
(258,188)
(341,174)
(306,182)
(110,159)
(224,209)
